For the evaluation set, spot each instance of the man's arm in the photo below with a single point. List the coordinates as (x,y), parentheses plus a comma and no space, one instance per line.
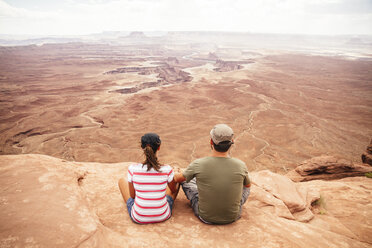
(187,174)
(247,181)
(179,178)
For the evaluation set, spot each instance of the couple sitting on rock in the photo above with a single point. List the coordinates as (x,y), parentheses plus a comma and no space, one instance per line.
(217,186)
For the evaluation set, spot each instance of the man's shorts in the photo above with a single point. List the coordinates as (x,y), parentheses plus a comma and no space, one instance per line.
(130,204)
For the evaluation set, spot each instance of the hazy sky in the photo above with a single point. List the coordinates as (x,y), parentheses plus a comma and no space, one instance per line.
(53,17)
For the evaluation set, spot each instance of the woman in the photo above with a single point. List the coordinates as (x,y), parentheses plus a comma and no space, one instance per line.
(150,190)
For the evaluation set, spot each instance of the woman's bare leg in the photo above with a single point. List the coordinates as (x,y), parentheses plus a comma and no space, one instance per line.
(123,186)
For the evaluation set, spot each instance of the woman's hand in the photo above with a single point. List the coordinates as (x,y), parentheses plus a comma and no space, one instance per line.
(178,177)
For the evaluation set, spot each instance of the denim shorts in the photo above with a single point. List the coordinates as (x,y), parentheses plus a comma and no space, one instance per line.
(130,204)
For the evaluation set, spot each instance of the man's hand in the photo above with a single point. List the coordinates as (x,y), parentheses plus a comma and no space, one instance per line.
(178,177)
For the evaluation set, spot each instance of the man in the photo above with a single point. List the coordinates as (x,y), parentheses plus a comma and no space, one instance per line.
(217,186)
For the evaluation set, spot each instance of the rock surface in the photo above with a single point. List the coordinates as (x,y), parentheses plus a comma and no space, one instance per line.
(327,168)
(289,200)
(49,202)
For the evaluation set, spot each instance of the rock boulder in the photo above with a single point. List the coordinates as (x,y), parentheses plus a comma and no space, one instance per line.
(289,200)
(367,155)
(327,168)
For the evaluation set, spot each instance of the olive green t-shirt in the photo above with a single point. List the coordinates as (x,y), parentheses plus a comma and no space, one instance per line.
(220,182)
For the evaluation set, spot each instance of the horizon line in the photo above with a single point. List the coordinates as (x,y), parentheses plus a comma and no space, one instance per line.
(185,31)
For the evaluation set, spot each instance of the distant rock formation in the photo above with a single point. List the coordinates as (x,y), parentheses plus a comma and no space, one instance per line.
(168,74)
(327,168)
(355,41)
(212,56)
(172,60)
(139,87)
(50,202)
(367,155)
(223,66)
(137,34)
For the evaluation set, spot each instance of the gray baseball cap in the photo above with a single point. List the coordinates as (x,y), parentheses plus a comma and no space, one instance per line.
(220,133)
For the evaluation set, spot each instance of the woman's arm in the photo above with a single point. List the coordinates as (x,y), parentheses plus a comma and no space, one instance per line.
(173,186)
(132,192)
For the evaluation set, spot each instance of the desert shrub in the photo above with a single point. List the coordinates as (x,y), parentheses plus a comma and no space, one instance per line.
(319,205)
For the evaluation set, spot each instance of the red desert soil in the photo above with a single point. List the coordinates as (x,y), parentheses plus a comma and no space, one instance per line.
(64,100)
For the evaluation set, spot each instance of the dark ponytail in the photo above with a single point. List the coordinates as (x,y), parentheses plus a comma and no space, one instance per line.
(150,143)
(151,159)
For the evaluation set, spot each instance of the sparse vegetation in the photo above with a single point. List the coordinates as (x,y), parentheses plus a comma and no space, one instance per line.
(322,211)
(369,174)
(320,205)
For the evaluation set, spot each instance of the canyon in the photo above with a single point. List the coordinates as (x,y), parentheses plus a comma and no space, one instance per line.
(72,114)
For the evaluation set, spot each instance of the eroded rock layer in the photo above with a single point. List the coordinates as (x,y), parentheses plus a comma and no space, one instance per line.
(367,155)
(327,168)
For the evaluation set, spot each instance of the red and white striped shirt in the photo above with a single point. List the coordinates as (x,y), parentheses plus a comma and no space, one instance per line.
(150,203)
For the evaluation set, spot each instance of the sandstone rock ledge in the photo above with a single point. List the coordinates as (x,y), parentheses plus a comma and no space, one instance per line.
(48,202)
(327,168)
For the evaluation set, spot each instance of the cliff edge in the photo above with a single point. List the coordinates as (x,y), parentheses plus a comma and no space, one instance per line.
(49,202)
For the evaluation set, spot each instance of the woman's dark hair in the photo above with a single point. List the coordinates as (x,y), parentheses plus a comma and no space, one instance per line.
(223,146)
(150,143)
